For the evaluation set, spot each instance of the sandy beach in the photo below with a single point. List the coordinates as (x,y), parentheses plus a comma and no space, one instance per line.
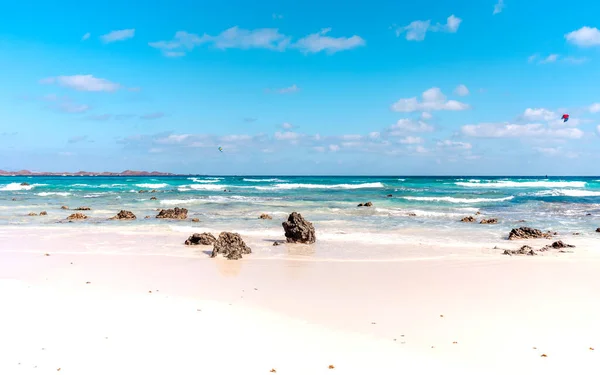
(123,310)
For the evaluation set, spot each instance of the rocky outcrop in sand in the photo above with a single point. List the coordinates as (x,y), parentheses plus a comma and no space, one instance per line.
(523,233)
(124,215)
(152,198)
(265,217)
(43,213)
(468,219)
(76,216)
(231,246)
(528,250)
(298,230)
(195,220)
(64,207)
(173,213)
(489,221)
(201,239)
(368,204)
(32,214)
(598,230)
(25,184)
(523,250)
(82,209)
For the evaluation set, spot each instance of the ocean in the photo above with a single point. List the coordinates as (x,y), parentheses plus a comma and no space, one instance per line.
(420,208)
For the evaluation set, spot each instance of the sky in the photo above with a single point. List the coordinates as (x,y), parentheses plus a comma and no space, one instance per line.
(465,87)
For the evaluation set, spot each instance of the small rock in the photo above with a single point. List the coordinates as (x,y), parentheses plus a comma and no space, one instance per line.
(523,250)
(24,184)
(82,209)
(195,220)
(152,198)
(153,191)
(43,213)
(489,221)
(331,367)
(142,191)
(597,229)
(146,217)
(64,208)
(173,213)
(201,239)
(265,217)
(477,213)
(560,245)
(412,214)
(14,199)
(231,246)
(32,214)
(77,216)
(124,215)
(299,230)
(368,204)
(468,219)
(389,195)
(576,233)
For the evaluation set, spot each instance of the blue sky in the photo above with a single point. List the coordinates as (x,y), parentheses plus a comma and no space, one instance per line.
(312,87)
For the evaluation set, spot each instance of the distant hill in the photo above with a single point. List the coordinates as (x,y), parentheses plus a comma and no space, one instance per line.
(128,172)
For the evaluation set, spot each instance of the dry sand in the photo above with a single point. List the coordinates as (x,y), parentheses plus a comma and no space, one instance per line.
(484,314)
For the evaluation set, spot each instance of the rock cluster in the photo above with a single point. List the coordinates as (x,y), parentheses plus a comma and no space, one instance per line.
(25,184)
(523,250)
(77,216)
(124,215)
(195,220)
(298,230)
(265,217)
(368,204)
(231,246)
(201,239)
(173,213)
(152,198)
(468,219)
(527,233)
(43,213)
(64,208)
(82,209)
(528,250)
(32,214)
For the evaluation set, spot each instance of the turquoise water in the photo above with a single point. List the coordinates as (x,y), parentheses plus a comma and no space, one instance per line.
(569,203)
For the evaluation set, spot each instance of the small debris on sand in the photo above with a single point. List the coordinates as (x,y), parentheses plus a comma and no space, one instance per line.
(88,282)
(273,370)
(331,367)
(455,342)
(591,348)
(544,356)
(46,255)
(441,316)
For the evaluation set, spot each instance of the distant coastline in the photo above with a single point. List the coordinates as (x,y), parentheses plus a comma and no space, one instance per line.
(128,172)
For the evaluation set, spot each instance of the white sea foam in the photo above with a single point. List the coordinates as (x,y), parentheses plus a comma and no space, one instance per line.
(457,200)
(523,184)
(263,180)
(180,201)
(402,179)
(318,186)
(209,187)
(152,186)
(16,186)
(49,193)
(206,180)
(569,193)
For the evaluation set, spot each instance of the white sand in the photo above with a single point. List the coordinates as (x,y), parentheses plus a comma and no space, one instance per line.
(297,317)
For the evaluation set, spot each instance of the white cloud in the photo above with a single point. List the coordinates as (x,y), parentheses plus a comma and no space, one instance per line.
(319,148)
(426,116)
(409,140)
(498,7)
(173,139)
(417,30)
(421,150)
(433,100)
(594,108)
(86,36)
(507,130)
(547,150)
(266,38)
(286,90)
(351,137)
(408,125)
(287,126)
(453,144)
(584,37)
(598,129)
(374,135)
(118,35)
(287,136)
(334,148)
(537,114)
(575,60)
(550,59)
(532,58)
(461,90)
(318,42)
(235,138)
(554,57)
(83,83)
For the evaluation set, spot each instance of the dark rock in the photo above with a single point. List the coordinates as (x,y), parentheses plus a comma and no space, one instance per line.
(32,214)
(195,220)
(64,208)
(520,221)
(489,221)
(43,213)
(201,239)
(173,213)
(523,250)
(265,217)
(146,217)
(124,215)
(468,219)
(142,191)
(477,213)
(298,230)
(527,233)
(25,184)
(588,214)
(14,199)
(82,209)
(153,198)
(77,216)
(390,195)
(153,191)
(368,204)
(230,245)
(576,233)
(277,243)
(597,229)
(560,245)
(412,214)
